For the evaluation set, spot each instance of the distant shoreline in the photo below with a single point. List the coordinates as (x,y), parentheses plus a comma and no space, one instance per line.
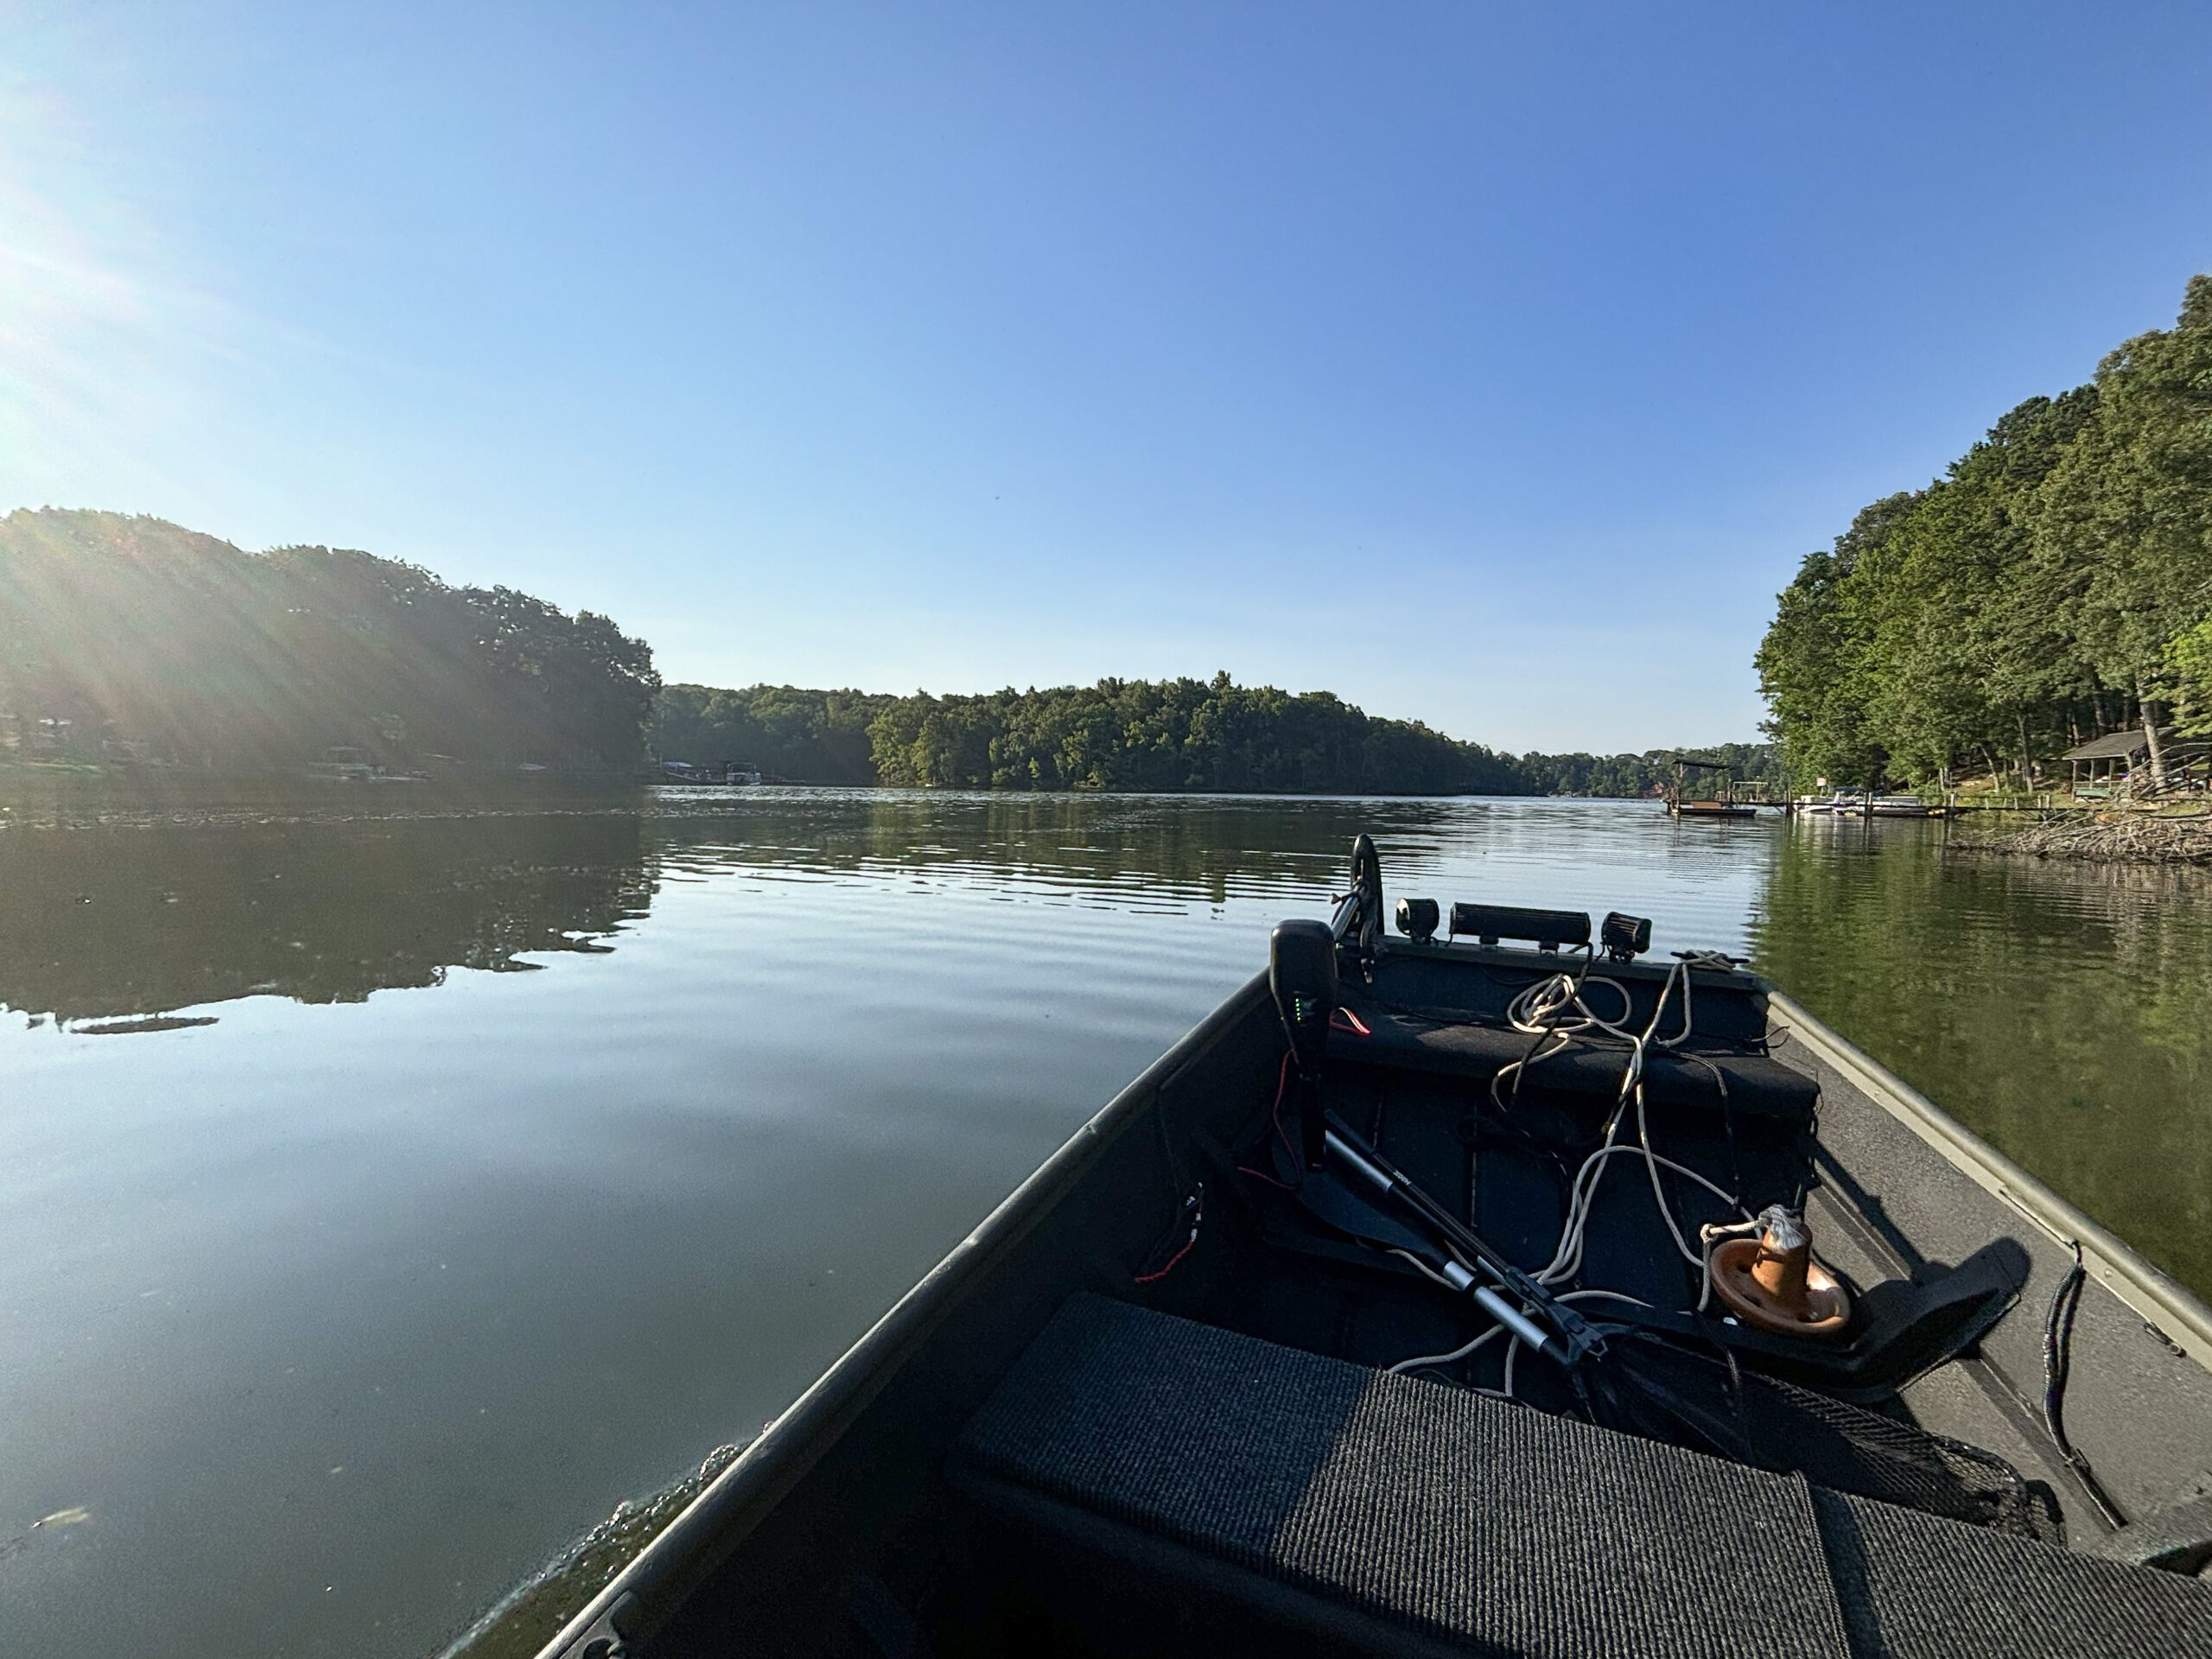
(190,782)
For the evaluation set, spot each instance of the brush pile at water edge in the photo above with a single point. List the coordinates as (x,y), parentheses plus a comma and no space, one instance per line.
(2128,837)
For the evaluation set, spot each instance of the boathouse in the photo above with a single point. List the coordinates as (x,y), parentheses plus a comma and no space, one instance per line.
(2120,755)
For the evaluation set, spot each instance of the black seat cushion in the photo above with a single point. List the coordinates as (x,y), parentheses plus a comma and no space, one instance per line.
(1917,1587)
(1474,1524)
(1448,1014)
(1429,1506)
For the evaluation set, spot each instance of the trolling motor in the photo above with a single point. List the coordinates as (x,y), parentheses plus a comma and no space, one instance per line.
(1570,1339)
(1362,927)
(1302,958)
(1302,974)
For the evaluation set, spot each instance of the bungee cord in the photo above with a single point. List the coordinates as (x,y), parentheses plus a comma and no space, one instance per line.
(2057,1363)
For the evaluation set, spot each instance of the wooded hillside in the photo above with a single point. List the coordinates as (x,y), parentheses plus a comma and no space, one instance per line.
(1126,735)
(2054,584)
(1117,734)
(1173,734)
(130,638)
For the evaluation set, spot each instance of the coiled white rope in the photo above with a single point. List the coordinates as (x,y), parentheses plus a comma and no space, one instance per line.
(1554,1007)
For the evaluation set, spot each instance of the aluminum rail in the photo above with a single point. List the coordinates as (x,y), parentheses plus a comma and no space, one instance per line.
(2177,1314)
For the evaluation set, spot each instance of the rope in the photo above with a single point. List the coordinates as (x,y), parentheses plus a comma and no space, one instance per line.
(1555,1007)
(1426,1360)
(1423,1361)
(1553,1010)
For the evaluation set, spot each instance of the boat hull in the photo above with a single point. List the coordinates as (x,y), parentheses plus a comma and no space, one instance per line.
(850,1480)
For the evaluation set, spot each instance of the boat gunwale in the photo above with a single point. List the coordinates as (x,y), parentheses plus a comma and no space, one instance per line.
(2173,1310)
(712,1526)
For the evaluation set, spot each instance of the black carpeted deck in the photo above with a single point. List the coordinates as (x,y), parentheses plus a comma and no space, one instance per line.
(1911,1585)
(1477,1524)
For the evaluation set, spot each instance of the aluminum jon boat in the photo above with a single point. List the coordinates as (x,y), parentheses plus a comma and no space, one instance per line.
(1506,1293)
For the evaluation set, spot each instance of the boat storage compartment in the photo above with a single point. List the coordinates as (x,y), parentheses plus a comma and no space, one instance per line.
(1166,1482)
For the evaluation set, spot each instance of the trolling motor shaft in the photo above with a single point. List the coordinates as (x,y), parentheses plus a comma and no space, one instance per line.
(1488,1300)
(1302,974)
(1571,1338)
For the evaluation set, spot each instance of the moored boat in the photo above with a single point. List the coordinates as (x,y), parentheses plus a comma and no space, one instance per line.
(1506,1293)
(1842,802)
(1897,806)
(1711,810)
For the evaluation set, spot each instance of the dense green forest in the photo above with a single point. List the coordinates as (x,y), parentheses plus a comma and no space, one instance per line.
(1125,734)
(131,640)
(811,737)
(1117,734)
(127,638)
(1642,774)
(1175,735)
(2054,584)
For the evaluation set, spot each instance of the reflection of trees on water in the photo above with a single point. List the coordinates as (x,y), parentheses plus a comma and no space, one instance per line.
(1189,848)
(115,906)
(112,906)
(133,918)
(2057,1009)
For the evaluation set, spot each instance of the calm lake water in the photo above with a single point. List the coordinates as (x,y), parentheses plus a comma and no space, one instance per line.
(391,1188)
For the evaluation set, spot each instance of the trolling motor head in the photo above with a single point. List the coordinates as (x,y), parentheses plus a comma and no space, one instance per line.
(1364,927)
(1302,974)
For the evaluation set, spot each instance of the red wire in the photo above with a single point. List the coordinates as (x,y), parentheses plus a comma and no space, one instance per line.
(1153,1278)
(1337,1022)
(1274,1115)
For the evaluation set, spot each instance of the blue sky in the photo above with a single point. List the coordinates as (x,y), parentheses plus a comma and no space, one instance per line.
(1488,366)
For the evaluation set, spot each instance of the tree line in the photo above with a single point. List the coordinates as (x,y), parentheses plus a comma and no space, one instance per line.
(127,638)
(1183,735)
(1648,773)
(131,639)
(2054,585)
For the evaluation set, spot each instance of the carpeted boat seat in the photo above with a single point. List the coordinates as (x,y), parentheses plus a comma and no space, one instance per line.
(1911,1585)
(1386,1512)
(1758,1087)
(1424,1015)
